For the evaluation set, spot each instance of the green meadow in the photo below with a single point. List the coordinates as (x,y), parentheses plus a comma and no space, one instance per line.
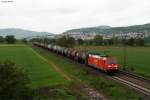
(64,78)
(137,58)
(41,72)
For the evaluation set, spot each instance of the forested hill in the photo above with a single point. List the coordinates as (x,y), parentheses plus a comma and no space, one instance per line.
(20,33)
(108,30)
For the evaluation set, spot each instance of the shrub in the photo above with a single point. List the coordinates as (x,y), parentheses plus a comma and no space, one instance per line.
(14,83)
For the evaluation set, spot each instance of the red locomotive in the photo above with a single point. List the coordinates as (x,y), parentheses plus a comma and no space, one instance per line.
(102,62)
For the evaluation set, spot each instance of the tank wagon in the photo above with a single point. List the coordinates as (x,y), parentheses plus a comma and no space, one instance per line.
(96,60)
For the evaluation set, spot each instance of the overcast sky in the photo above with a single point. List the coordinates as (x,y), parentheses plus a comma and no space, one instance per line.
(57,16)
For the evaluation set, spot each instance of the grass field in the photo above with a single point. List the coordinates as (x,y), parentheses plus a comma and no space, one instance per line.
(47,69)
(41,72)
(137,57)
(44,73)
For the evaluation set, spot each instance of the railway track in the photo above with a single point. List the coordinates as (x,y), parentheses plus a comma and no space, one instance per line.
(135,76)
(138,83)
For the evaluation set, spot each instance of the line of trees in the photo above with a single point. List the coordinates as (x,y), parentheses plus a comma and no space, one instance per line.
(64,41)
(10,39)
(98,40)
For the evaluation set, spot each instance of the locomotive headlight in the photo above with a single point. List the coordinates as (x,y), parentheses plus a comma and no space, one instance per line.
(109,65)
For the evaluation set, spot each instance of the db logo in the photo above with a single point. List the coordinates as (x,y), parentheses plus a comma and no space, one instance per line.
(96,61)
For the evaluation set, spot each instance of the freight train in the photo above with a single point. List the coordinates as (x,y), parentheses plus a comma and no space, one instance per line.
(100,61)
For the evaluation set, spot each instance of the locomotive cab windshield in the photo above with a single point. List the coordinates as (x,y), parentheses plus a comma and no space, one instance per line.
(112,60)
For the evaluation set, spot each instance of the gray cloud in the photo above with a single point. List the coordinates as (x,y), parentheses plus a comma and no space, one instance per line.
(60,15)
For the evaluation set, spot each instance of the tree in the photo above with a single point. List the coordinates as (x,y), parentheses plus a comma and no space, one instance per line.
(14,83)
(65,41)
(140,42)
(80,41)
(24,40)
(70,41)
(98,40)
(1,39)
(147,40)
(10,39)
(36,40)
(131,42)
(124,41)
(110,41)
(62,41)
(49,41)
(115,40)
